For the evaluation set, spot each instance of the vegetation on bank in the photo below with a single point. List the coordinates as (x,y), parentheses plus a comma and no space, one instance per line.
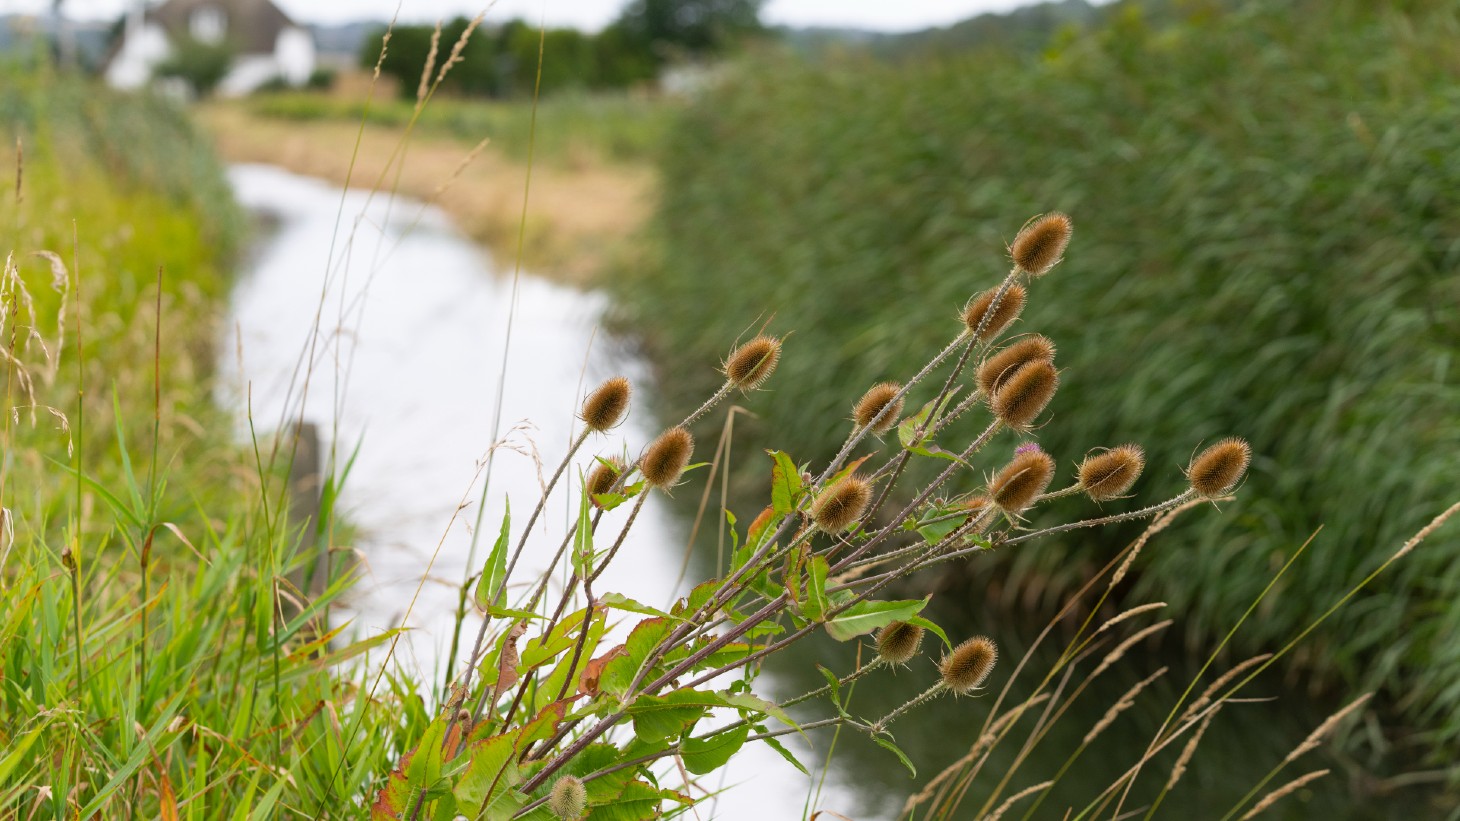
(144,668)
(1265,201)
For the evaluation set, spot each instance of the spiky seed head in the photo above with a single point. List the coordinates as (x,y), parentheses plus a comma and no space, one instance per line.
(1040,245)
(841,505)
(898,642)
(1009,309)
(976,505)
(752,363)
(666,457)
(1025,477)
(569,798)
(605,407)
(880,396)
(1021,398)
(969,664)
(1219,468)
(603,476)
(997,369)
(1106,475)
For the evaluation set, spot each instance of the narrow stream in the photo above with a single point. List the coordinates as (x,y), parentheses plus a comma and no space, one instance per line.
(413,318)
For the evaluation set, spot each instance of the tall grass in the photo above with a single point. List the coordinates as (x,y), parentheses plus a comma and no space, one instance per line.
(1267,212)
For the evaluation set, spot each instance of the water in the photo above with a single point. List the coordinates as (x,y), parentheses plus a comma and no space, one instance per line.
(414,319)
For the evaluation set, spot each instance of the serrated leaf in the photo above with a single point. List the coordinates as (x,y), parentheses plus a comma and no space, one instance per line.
(494,575)
(621,602)
(638,801)
(705,755)
(866,616)
(491,769)
(886,744)
(816,602)
(619,673)
(786,484)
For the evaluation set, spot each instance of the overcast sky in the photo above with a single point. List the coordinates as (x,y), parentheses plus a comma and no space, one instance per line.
(886,15)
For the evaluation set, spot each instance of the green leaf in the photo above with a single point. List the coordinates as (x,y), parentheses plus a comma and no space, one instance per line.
(491,768)
(425,765)
(660,717)
(583,540)
(932,628)
(864,617)
(886,744)
(935,532)
(705,755)
(619,673)
(786,486)
(924,420)
(639,801)
(784,753)
(621,602)
(609,501)
(816,602)
(494,575)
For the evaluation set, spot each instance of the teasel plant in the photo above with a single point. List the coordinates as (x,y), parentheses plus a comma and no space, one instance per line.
(572,701)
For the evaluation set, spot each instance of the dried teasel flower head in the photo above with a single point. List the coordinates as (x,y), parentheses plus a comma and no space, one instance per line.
(997,369)
(872,403)
(569,798)
(841,505)
(1019,399)
(603,476)
(606,406)
(1040,244)
(1009,309)
(969,664)
(666,457)
(898,642)
(752,363)
(1024,478)
(1108,474)
(1219,468)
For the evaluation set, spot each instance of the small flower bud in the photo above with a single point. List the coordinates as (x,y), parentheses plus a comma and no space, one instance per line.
(997,369)
(1021,398)
(1040,245)
(1104,476)
(605,407)
(873,401)
(1216,470)
(969,664)
(603,476)
(1025,477)
(898,642)
(569,798)
(666,457)
(1009,309)
(841,505)
(752,363)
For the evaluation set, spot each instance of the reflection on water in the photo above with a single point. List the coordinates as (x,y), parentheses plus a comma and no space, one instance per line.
(414,317)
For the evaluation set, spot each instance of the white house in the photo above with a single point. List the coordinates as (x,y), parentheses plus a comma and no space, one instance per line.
(267,44)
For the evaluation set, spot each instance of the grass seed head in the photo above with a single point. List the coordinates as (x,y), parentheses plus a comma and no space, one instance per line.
(1021,398)
(666,457)
(569,798)
(1107,475)
(603,476)
(1040,245)
(969,664)
(1009,309)
(1025,477)
(606,406)
(841,505)
(997,369)
(752,363)
(1219,468)
(898,642)
(873,401)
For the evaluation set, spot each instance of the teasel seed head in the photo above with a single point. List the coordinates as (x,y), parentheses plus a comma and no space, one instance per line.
(752,363)
(841,505)
(1107,475)
(1009,309)
(603,476)
(1020,399)
(969,664)
(898,642)
(873,401)
(569,798)
(997,369)
(606,406)
(1040,245)
(1219,468)
(1025,477)
(666,457)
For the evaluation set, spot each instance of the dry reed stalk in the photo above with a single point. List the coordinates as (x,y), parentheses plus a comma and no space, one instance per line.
(1428,529)
(1129,614)
(1125,703)
(1222,680)
(1286,789)
(1013,799)
(1131,641)
(455,56)
(1316,737)
(425,84)
(1155,527)
(1187,752)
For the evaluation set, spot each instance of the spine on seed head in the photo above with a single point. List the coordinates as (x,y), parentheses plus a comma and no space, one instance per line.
(997,369)
(969,664)
(1009,309)
(606,406)
(602,478)
(1040,245)
(841,505)
(898,642)
(1019,400)
(569,798)
(666,458)
(1022,480)
(873,402)
(1218,469)
(752,363)
(1107,475)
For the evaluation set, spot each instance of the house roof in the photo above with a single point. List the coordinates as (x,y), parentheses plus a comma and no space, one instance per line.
(253,25)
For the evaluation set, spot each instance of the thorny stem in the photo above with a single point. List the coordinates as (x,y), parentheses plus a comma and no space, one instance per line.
(1105,520)
(929,694)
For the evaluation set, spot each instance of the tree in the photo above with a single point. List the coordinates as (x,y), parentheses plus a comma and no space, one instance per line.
(201,65)
(689,28)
